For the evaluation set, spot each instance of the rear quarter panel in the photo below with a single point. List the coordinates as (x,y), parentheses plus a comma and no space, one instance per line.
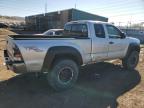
(34,51)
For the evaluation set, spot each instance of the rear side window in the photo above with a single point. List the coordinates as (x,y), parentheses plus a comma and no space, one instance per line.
(99,30)
(58,32)
(67,28)
(79,30)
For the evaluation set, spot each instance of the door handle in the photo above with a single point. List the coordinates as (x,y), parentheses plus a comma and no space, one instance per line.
(111,42)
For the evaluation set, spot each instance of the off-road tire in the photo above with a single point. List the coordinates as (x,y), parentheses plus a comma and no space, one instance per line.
(131,61)
(63,74)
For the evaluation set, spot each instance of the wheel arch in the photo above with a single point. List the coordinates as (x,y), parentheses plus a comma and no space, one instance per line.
(131,47)
(59,52)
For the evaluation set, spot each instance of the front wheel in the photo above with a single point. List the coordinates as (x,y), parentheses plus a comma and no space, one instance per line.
(131,61)
(63,74)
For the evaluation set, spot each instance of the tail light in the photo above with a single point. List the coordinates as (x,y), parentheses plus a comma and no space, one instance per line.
(17,54)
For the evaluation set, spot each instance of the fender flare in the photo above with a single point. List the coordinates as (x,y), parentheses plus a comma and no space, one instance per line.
(64,51)
(131,47)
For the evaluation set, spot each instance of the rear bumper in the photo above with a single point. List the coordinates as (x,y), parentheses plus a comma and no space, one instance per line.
(17,67)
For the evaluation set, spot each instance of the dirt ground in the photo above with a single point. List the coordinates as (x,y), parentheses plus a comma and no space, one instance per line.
(102,85)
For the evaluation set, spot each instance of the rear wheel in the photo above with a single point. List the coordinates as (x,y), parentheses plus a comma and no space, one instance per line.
(63,74)
(131,61)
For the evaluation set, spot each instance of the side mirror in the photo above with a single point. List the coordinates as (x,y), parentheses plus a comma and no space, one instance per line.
(123,35)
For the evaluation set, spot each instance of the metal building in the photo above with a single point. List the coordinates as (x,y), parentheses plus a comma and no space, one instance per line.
(42,22)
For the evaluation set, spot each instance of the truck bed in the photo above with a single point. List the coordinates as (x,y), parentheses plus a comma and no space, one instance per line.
(37,37)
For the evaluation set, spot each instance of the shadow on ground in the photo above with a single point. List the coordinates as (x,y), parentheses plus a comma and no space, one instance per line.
(98,86)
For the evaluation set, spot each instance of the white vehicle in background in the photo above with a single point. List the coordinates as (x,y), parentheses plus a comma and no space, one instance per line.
(53,32)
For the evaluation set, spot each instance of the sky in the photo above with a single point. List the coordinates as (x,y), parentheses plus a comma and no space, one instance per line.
(118,11)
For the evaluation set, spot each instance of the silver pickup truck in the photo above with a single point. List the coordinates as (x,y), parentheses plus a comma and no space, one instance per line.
(82,43)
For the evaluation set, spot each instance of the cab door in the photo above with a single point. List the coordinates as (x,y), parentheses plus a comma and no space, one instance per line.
(116,44)
(99,43)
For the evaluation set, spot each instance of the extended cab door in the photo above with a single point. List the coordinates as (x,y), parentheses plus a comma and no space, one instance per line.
(116,44)
(99,43)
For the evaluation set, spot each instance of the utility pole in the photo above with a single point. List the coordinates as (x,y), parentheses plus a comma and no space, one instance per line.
(75,5)
(130,22)
(120,24)
(45,7)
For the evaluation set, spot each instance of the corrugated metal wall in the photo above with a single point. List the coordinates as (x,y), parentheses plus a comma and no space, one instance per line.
(57,19)
(81,15)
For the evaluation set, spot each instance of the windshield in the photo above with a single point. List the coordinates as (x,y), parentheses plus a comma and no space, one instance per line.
(48,33)
(53,32)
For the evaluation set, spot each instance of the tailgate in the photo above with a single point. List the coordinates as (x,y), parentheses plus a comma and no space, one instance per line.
(10,48)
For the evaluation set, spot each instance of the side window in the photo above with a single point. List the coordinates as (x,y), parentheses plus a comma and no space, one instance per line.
(113,32)
(99,30)
(67,28)
(79,30)
(58,32)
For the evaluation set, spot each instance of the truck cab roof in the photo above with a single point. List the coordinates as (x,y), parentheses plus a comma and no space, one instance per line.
(87,21)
